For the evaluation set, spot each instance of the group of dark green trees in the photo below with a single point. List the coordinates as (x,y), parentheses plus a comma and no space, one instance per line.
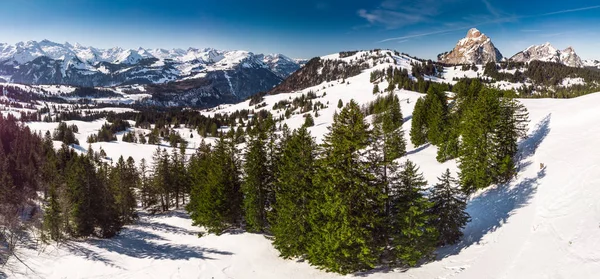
(86,196)
(344,205)
(80,195)
(480,126)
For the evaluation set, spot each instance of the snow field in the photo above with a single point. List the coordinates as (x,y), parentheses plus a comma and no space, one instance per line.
(543,224)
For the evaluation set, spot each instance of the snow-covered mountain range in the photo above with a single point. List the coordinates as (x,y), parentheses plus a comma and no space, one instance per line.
(47,62)
(475,48)
(546,52)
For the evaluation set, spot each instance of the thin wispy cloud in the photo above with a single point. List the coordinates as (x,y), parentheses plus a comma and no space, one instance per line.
(491,9)
(390,19)
(405,38)
(498,20)
(552,35)
(571,10)
(393,14)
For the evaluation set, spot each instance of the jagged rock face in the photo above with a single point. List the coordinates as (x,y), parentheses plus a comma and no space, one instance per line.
(475,48)
(570,58)
(548,53)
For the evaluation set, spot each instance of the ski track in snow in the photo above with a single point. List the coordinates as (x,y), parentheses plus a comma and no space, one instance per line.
(543,224)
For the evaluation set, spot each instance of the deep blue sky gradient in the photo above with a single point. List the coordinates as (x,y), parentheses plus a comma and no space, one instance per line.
(308,28)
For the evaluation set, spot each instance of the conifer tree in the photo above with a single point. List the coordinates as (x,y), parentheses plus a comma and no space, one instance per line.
(198,171)
(293,192)
(343,213)
(449,204)
(309,121)
(216,204)
(107,212)
(78,182)
(418,128)
(413,237)
(255,185)
(477,162)
(53,215)
(448,148)
(437,111)
(511,126)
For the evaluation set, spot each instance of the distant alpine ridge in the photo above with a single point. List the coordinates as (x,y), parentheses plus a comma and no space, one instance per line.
(47,62)
(477,48)
(548,53)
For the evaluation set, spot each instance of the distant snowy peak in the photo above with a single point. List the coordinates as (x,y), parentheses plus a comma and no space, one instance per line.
(280,64)
(591,63)
(546,52)
(475,48)
(570,58)
(23,52)
(47,62)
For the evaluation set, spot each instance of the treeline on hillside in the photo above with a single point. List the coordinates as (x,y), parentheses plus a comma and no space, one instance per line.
(345,205)
(400,79)
(17,93)
(21,163)
(547,78)
(107,131)
(481,127)
(67,195)
(80,196)
(317,70)
(426,68)
(163,122)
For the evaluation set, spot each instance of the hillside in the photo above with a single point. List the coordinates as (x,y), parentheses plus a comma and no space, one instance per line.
(541,224)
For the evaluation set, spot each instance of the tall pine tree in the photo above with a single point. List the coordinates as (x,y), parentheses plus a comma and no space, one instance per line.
(343,213)
(293,191)
(413,237)
(448,210)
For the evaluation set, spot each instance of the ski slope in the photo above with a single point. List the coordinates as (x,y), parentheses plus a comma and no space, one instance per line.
(543,224)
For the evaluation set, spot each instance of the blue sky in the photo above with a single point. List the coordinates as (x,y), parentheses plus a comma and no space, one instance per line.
(305,28)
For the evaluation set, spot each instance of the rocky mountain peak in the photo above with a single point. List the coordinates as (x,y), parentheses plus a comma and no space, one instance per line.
(476,48)
(546,52)
(473,33)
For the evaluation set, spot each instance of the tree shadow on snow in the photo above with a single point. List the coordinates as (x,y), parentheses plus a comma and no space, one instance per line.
(172,213)
(77,249)
(162,227)
(419,149)
(528,146)
(497,205)
(490,210)
(140,244)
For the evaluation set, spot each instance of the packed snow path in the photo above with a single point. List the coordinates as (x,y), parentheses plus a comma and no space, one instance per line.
(544,224)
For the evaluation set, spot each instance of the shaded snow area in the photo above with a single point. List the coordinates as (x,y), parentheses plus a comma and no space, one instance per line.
(543,224)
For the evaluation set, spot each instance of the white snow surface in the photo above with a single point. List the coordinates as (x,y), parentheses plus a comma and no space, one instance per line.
(543,224)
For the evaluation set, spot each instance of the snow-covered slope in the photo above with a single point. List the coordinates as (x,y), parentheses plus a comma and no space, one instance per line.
(543,224)
(546,52)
